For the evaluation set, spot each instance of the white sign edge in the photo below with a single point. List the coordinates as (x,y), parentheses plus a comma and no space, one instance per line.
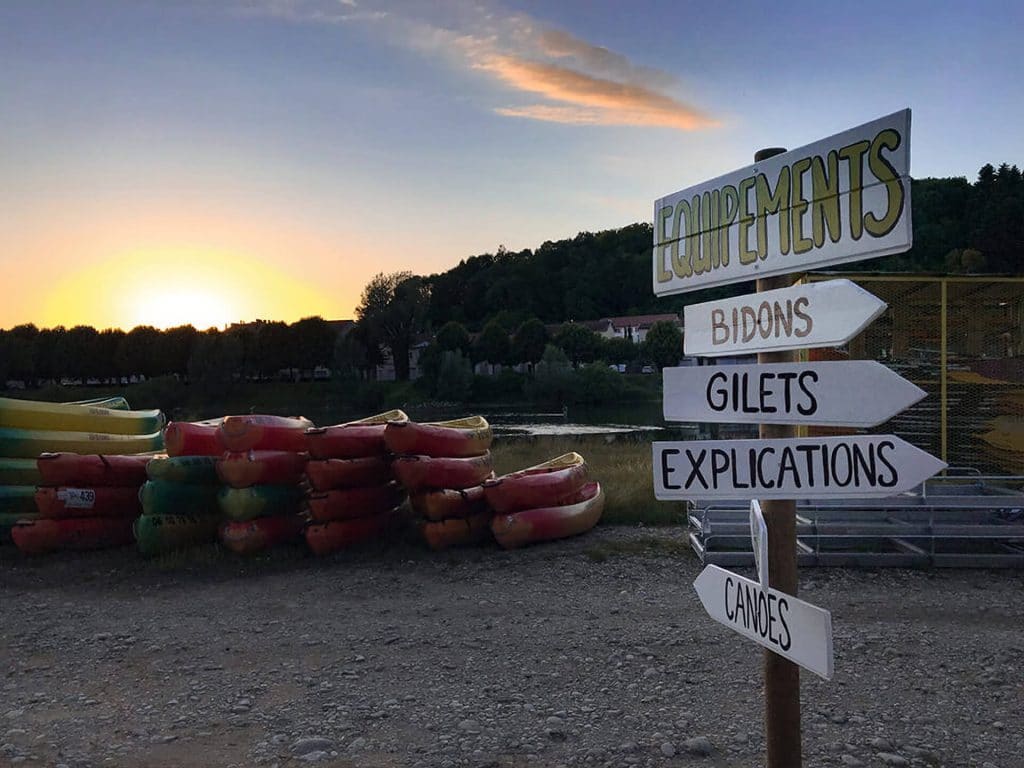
(759,541)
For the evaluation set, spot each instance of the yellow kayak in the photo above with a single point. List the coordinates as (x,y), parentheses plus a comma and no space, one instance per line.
(36,415)
(29,443)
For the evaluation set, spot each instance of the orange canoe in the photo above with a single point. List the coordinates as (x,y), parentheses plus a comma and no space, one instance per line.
(88,502)
(242,469)
(449,503)
(72,469)
(251,536)
(354,439)
(458,532)
(324,538)
(329,474)
(263,432)
(452,439)
(548,523)
(550,484)
(421,473)
(350,503)
(195,438)
(39,536)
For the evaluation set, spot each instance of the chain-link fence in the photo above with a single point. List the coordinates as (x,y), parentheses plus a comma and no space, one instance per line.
(961,339)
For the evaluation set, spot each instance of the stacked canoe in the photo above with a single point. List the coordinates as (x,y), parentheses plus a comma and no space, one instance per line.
(549,501)
(443,465)
(30,428)
(179,502)
(261,472)
(351,493)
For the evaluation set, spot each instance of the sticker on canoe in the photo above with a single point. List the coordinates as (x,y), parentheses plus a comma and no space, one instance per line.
(77,498)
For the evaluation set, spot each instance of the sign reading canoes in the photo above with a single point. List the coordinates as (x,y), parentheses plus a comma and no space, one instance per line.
(826,314)
(841,393)
(841,199)
(857,466)
(799,631)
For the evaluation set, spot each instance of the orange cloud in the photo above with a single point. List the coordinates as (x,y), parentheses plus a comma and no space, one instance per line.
(594,100)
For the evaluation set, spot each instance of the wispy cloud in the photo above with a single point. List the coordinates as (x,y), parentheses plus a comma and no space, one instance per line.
(580,83)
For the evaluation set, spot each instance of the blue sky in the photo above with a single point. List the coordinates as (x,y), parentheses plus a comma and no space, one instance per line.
(323,141)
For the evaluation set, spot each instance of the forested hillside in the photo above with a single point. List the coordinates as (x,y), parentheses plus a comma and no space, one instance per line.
(959,227)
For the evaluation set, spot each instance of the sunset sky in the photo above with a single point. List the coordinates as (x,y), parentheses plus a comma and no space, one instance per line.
(181,161)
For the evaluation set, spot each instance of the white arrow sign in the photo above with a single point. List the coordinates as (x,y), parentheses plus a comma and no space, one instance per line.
(759,540)
(844,198)
(796,630)
(826,314)
(856,466)
(841,393)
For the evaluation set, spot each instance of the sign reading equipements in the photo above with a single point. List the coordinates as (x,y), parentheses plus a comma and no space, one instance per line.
(842,393)
(856,466)
(825,314)
(799,631)
(844,198)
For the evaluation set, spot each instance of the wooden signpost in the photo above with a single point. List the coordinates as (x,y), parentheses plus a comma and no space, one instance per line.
(845,198)
(826,314)
(841,393)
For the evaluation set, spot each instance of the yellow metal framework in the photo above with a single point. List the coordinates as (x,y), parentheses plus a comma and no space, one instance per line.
(961,339)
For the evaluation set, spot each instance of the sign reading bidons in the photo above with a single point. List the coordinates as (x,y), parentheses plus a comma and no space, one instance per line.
(855,466)
(841,199)
(839,393)
(825,314)
(796,630)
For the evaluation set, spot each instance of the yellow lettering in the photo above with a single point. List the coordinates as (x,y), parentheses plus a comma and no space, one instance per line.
(801,244)
(854,157)
(664,215)
(730,207)
(772,202)
(825,200)
(747,256)
(702,261)
(681,255)
(885,173)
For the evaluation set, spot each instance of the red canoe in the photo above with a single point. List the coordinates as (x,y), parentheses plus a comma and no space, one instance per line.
(421,473)
(552,483)
(453,439)
(41,536)
(350,503)
(253,536)
(328,474)
(458,532)
(240,470)
(448,503)
(264,433)
(72,469)
(196,438)
(354,439)
(548,523)
(324,538)
(88,502)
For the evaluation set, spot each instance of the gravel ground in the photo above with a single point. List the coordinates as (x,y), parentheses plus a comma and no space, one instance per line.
(590,652)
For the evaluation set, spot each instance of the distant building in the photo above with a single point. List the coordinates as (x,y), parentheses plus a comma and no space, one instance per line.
(632,327)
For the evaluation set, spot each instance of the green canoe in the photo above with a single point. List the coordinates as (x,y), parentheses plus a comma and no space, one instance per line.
(29,443)
(156,534)
(19,472)
(160,497)
(260,501)
(192,470)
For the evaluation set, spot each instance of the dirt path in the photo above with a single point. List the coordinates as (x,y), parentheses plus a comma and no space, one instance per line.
(591,652)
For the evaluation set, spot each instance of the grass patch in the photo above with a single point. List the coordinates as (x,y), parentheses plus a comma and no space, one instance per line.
(621,464)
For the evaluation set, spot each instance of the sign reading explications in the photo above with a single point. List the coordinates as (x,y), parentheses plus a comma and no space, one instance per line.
(841,199)
(855,466)
(799,631)
(841,393)
(826,314)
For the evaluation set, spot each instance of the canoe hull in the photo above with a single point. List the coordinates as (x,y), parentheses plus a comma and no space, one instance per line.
(157,534)
(422,473)
(551,484)
(331,474)
(466,532)
(550,523)
(252,536)
(352,503)
(88,502)
(80,533)
(260,432)
(72,469)
(190,470)
(77,417)
(198,438)
(324,538)
(259,501)
(161,497)
(447,504)
(30,443)
(241,470)
(442,439)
